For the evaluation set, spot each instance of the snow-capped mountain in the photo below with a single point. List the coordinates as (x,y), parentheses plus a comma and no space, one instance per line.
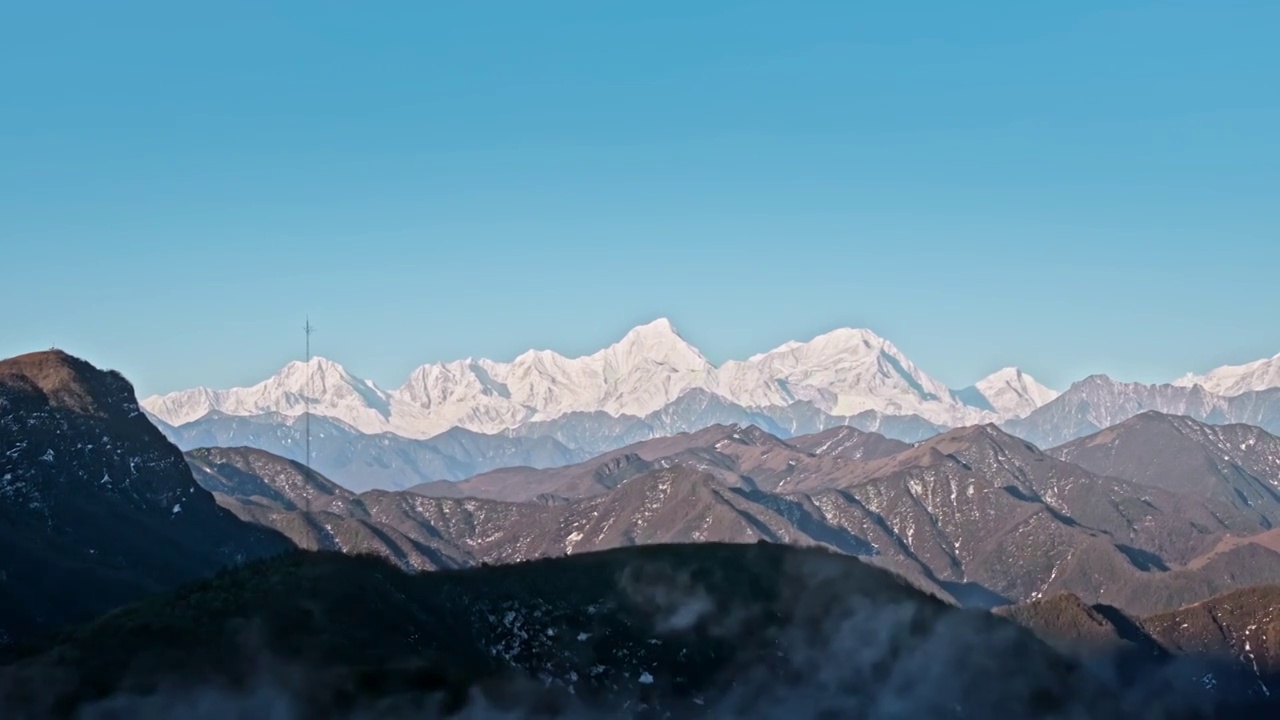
(333,391)
(455,394)
(1009,392)
(1232,380)
(645,370)
(843,373)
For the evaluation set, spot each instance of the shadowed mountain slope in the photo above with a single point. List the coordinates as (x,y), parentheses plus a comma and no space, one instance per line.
(96,508)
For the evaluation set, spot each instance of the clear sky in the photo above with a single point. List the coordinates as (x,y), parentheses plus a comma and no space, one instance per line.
(1074,187)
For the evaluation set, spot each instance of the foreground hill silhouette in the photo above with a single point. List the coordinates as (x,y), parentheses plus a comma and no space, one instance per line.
(756,630)
(96,508)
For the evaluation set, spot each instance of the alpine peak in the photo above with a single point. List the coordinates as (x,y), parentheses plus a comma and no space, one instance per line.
(1013,393)
(843,372)
(1231,380)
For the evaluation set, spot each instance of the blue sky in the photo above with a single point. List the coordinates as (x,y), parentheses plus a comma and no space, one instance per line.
(1069,187)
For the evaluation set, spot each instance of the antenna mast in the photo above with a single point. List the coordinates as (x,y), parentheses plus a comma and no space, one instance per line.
(308,329)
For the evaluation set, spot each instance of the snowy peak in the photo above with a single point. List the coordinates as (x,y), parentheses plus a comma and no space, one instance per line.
(656,342)
(1231,380)
(644,371)
(845,372)
(461,393)
(319,377)
(320,384)
(660,329)
(438,383)
(838,342)
(1010,392)
(182,407)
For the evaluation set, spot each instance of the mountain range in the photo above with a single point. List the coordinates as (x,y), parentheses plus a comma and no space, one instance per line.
(1165,564)
(976,515)
(844,373)
(449,421)
(1149,514)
